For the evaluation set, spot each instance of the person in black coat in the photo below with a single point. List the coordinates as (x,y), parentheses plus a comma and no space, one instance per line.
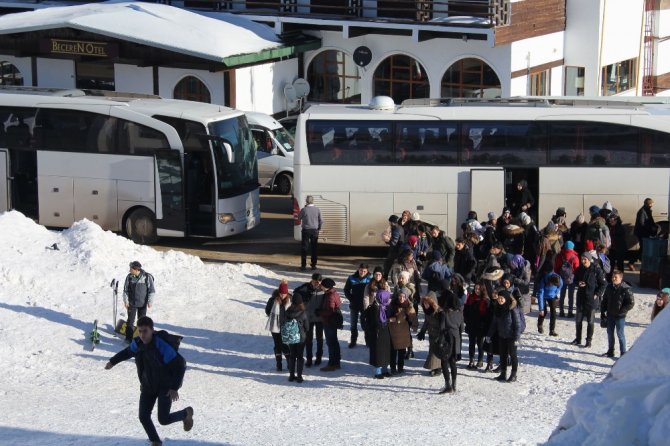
(591,283)
(354,291)
(160,370)
(377,334)
(465,263)
(619,247)
(295,350)
(477,315)
(645,227)
(618,300)
(506,325)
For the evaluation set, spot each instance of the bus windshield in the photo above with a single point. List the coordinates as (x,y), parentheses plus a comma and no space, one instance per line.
(242,174)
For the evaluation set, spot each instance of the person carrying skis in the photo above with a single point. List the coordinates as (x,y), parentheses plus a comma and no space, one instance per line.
(138,295)
(160,370)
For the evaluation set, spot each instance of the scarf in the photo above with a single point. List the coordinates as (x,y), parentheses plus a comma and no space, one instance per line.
(383,299)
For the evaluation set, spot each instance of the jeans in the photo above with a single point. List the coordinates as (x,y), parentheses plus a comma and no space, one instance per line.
(617,323)
(590,317)
(333,345)
(141,312)
(310,240)
(318,328)
(147,402)
(571,297)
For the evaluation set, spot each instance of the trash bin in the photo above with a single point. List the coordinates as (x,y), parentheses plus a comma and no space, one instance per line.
(654,252)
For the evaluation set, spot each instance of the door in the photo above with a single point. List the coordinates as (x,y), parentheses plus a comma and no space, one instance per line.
(530,179)
(171,182)
(4,180)
(200,193)
(487,191)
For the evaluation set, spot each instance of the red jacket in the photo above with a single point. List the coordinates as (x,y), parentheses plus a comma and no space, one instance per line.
(331,302)
(564,256)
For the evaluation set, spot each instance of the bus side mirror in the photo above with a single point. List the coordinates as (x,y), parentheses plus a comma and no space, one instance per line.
(229,152)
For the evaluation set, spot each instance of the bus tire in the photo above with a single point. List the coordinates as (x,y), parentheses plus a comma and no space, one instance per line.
(140,226)
(284,184)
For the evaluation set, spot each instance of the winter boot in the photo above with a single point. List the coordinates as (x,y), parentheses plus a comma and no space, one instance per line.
(480,364)
(489,367)
(502,377)
(318,360)
(540,328)
(188,421)
(471,365)
(279,362)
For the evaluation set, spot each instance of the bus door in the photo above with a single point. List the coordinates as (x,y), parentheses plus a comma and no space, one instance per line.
(200,193)
(487,191)
(513,176)
(4,180)
(168,163)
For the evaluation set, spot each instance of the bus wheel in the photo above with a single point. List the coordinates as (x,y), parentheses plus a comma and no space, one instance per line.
(284,184)
(140,226)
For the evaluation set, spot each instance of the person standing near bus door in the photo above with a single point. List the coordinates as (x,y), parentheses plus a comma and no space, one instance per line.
(138,295)
(310,216)
(523,200)
(645,227)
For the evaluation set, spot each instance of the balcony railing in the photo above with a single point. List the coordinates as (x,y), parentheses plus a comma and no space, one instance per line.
(486,13)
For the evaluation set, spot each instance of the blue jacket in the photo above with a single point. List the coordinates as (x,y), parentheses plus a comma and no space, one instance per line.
(434,274)
(354,290)
(547,291)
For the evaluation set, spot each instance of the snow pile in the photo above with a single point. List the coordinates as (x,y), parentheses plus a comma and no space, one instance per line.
(630,406)
(55,391)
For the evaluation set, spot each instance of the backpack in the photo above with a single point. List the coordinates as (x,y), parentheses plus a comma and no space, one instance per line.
(172,339)
(604,238)
(290,332)
(566,272)
(605,263)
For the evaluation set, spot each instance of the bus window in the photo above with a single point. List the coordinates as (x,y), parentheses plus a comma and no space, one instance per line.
(502,143)
(16,131)
(137,139)
(422,144)
(593,144)
(654,149)
(74,131)
(345,142)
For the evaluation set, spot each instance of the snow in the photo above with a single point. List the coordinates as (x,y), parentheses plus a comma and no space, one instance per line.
(55,391)
(149,24)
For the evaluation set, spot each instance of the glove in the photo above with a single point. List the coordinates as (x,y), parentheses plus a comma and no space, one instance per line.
(421,336)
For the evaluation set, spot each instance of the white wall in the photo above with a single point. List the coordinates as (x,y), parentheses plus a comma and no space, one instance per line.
(582,40)
(435,55)
(133,79)
(56,73)
(261,87)
(663,57)
(23,65)
(531,53)
(169,77)
(622,30)
(663,23)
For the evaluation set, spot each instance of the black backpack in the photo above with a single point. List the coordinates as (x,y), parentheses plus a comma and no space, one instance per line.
(566,272)
(172,339)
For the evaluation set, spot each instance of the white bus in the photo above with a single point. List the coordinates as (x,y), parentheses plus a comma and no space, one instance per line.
(145,166)
(443,158)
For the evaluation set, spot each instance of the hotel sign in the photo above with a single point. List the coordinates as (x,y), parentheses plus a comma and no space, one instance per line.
(79,48)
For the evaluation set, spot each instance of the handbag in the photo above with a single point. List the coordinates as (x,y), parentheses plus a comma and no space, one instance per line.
(603,321)
(337,319)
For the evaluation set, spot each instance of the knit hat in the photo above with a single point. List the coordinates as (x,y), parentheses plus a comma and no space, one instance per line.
(594,210)
(378,269)
(587,255)
(328,283)
(135,265)
(412,240)
(589,246)
(297,299)
(580,218)
(393,219)
(283,288)
(416,216)
(560,212)
(437,255)
(491,215)
(405,291)
(665,290)
(569,244)
(607,205)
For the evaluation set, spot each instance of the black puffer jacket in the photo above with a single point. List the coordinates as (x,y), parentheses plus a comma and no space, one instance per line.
(588,296)
(617,300)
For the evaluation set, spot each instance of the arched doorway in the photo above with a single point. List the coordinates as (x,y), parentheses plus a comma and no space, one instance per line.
(191,88)
(10,74)
(333,77)
(470,78)
(401,77)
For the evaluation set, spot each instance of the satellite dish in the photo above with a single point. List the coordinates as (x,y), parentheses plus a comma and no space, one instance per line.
(362,56)
(301,87)
(292,101)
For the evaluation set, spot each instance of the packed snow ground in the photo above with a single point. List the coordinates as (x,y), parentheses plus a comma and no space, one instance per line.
(55,392)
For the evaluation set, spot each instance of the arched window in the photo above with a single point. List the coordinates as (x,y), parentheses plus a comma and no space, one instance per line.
(191,88)
(10,74)
(333,77)
(401,77)
(470,78)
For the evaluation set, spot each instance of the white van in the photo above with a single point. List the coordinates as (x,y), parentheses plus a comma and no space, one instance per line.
(275,152)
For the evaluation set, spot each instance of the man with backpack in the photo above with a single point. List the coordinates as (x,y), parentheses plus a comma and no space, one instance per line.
(138,295)
(160,369)
(565,265)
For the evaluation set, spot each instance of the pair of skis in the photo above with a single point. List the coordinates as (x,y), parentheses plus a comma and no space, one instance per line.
(94,334)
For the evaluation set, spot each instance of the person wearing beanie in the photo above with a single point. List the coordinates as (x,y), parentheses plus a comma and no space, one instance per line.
(311,221)
(565,265)
(294,335)
(311,294)
(560,212)
(331,314)
(591,283)
(491,218)
(275,309)
(354,291)
(138,296)
(395,242)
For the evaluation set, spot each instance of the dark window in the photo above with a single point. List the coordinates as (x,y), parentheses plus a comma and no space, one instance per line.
(16,131)
(138,139)
(593,144)
(95,75)
(344,142)
(193,134)
(74,131)
(470,78)
(333,77)
(191,88)
(427,143)
(619,76)
(502,143)
(654,148)
(401,77)
(10,74)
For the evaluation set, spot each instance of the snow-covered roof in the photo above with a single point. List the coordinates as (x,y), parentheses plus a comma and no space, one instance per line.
(153,24)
